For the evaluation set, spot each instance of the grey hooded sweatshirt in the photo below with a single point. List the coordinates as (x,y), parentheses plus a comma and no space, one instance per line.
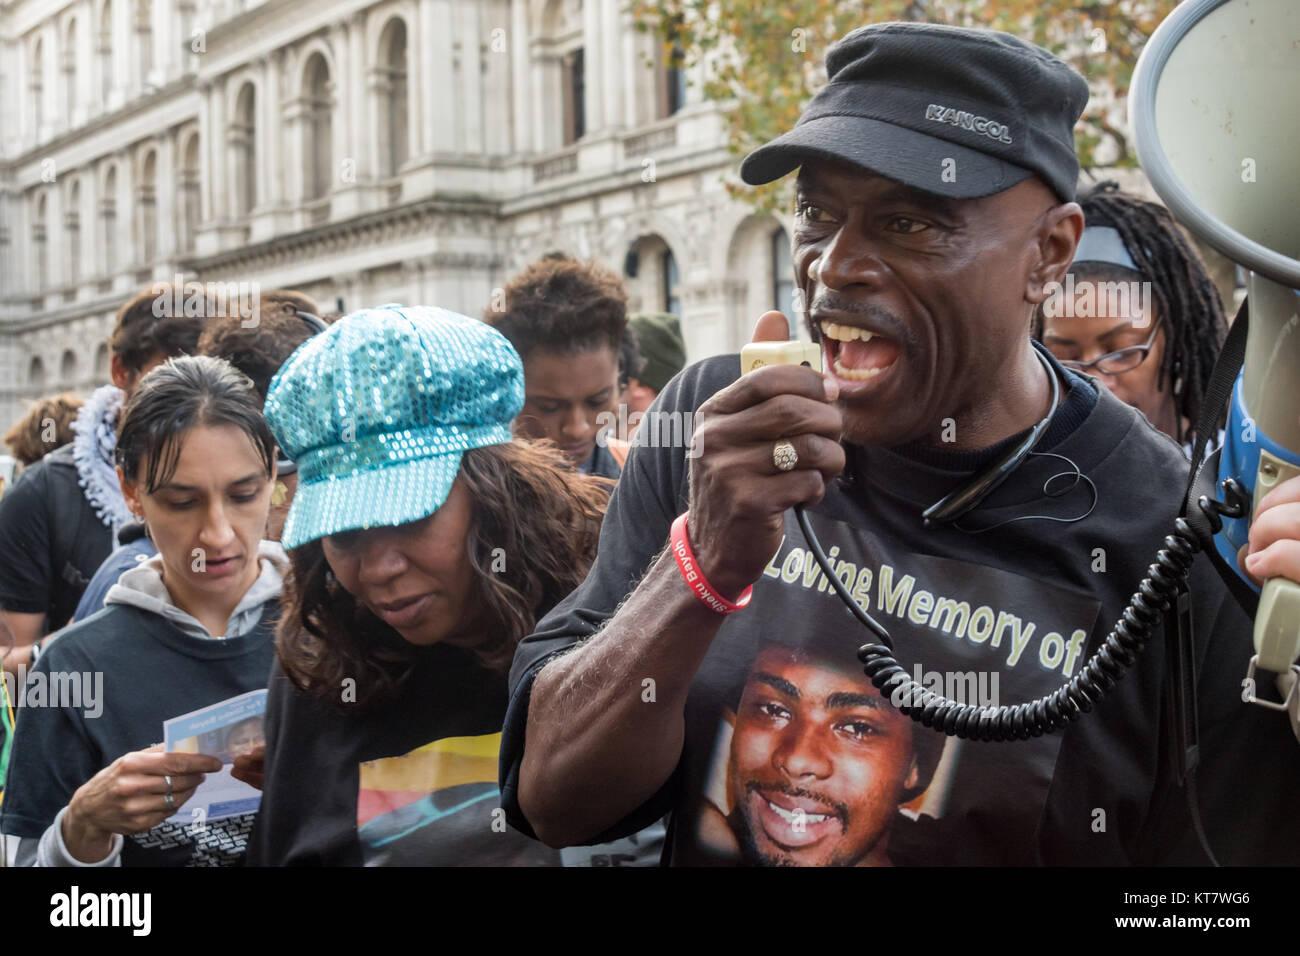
(140,625)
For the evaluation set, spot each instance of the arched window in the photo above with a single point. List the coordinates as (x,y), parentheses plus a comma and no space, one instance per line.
(672,77)
(102,370)
(672,282)
(318,157)
(653,282)
(782,275)
(243,149)
(191,208)
(144,39)
(36,374)
(563,75)
(70,56)
(108,222)
(40,252)
(575,96)
(104,49)
(148,208)
(72,228)
(394,138)
(36,86)
(68,367)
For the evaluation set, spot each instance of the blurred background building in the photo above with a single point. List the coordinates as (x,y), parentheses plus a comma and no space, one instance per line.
(416,151)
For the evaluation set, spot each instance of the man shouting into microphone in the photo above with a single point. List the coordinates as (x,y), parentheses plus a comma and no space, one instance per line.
(936,178)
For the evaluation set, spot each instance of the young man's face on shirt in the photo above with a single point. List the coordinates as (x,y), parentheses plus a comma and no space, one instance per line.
(819,763)
(564,396)
(941,283)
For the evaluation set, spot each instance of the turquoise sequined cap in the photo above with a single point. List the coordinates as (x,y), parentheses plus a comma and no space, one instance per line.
(378,409)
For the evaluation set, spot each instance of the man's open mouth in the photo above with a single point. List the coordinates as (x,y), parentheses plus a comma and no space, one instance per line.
(855,354)
(796,815)
(790,822)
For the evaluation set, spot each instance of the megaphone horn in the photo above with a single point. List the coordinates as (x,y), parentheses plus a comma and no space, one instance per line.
(1212,108)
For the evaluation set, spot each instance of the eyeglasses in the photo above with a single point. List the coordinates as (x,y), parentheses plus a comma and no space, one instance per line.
(1117,362)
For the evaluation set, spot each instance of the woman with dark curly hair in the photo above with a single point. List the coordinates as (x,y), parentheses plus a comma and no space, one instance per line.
(424,544)
(1154,350)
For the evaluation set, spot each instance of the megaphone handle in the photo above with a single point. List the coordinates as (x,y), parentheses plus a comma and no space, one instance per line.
(1277,620)
(1277,625)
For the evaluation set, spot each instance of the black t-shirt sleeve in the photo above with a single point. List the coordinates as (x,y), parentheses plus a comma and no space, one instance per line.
(297,824)
(26,544)
(52,755)
(650,494)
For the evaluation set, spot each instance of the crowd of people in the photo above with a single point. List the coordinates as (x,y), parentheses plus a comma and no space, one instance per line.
(479,625)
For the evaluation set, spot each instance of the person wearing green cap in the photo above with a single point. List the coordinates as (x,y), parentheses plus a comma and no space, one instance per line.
(424,544)
(663,355)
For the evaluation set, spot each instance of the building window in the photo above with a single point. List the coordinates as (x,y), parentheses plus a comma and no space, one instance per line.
(108,221)
(673,95)
(672,296)
(148,210)
(40,253)
(37,88)
(575,92)
(186,9)
(70,73)
(191,209)
(105,49)
(72,226)
(676,80)
(144,39)
(394,100)
(243,146)
(318,160)
(782,277)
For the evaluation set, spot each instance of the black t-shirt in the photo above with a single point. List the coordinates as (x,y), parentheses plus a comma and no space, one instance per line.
(411,781)
(131,670)
(788,757)
(51,540)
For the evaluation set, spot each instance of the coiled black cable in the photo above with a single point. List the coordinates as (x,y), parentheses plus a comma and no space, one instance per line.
(1101,672)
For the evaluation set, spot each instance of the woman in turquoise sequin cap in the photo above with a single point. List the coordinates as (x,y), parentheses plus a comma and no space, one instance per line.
(425,542)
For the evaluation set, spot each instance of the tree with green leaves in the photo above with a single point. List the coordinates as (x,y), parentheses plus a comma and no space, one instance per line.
(763,59)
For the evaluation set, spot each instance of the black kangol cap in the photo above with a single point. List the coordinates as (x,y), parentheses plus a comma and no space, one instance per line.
(904,97)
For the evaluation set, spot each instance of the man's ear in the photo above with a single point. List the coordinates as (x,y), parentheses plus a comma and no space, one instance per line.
(1058,237)
(123,376)
(131,494)
(913,776)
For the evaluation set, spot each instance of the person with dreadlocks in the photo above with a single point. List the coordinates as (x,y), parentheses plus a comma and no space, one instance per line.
(1138,310)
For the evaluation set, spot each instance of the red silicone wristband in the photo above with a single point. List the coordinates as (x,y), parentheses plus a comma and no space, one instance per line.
(690,568)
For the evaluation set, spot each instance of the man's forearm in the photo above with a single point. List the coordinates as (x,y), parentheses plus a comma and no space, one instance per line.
(602,739)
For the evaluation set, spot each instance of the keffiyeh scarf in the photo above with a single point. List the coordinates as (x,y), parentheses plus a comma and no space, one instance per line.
(92,450)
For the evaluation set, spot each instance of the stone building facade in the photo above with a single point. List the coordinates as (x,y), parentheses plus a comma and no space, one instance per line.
(417,151)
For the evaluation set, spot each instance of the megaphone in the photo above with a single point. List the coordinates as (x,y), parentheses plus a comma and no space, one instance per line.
(1212,106)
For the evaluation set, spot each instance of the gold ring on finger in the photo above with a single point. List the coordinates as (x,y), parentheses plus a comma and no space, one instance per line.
(784,456)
